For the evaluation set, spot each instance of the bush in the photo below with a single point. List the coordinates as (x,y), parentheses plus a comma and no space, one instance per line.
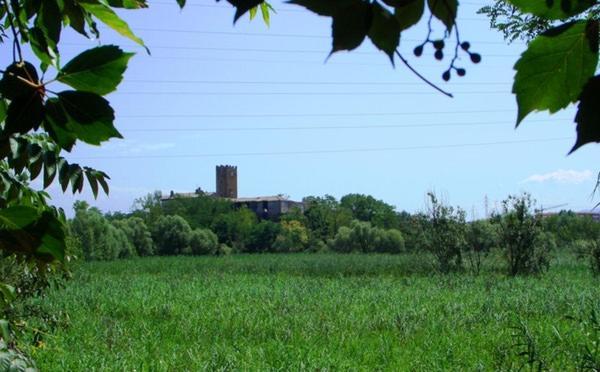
(362,237)
(172,235)
(204,241)
(482,236)
(445,234)
(262,236)
(389,241)
(138,235)
(292,238)
(526,247)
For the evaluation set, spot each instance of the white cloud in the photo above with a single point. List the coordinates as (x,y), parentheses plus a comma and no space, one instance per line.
(562,176)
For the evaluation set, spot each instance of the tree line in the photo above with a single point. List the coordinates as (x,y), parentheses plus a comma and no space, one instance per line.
(356,223)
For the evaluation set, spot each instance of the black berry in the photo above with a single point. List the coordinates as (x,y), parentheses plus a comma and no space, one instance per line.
(418,51)
(439,55)
(475,57)
(461,71)
(438,44)
(465,45)
(446,75)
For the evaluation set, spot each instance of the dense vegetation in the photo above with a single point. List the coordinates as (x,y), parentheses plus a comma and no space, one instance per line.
(318,311)
(206,225)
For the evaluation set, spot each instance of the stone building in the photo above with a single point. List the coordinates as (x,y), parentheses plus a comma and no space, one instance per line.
(265,207)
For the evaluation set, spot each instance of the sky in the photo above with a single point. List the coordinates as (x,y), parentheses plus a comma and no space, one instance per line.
(268,100)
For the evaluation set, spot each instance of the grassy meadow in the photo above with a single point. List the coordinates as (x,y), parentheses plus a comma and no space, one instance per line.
(316,312)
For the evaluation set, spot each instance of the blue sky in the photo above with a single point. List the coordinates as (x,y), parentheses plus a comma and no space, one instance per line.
(263,98)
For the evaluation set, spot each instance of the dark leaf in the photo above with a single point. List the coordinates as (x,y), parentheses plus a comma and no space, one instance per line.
(98,70)
(553,70)
(49,20)
(350,26)
(92,180)
(409,14)
(445,11)
(102,177)
(181,3)
(243,6)
(49,168)
(64,175)
(24,113)
(75,16)
(588,114)
(40,47)
(325,8)
(19,79)
(385,31)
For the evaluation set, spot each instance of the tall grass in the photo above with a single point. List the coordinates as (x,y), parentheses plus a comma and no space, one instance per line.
(309,312)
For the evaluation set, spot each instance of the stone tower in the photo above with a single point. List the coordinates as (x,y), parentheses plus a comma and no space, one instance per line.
(227,181)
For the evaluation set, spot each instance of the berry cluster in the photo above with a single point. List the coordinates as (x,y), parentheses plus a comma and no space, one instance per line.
(439,46)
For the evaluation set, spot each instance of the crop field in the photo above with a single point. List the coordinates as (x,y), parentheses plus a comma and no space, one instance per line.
(317,312)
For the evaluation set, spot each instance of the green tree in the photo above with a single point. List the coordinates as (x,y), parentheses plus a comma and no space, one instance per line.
(368,209)
(324,216)
(138,235)
(199,211)
(292,238)
(526,247)
(263,236)
(234,228)
(99,239)
(482,237)
(446,234)
(204,242)
(172,235)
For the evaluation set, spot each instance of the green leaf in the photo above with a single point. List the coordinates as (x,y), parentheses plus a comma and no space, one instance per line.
(5,333)
(75,16)
(98,70)
(181,3)
(445,11)
(102,180)
(18,217)
(409,14)
(40,47)
(555,67)
(350,26)
(79,115)
(553,9)
(588,114)
(7,293)
(107,16)
(92,180)
(49,20)
(264,9)
(385,31)
(49,168)
(3,109)
(252,12)
(128,4)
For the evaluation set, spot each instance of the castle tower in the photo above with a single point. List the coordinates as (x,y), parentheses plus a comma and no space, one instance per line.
(227,181)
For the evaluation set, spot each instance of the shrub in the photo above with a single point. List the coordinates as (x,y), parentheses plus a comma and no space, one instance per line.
(204,241)
(525,246)
(362,237)
(292,238)
(389,241)
(445,234)
(172,235)
(138,234)
(262,236)
(482,236)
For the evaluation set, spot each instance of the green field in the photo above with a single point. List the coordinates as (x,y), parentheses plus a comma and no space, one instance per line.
(315,312)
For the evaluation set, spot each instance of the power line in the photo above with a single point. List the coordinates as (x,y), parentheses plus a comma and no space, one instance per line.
(294,82)
(330,127)
(312,152)
(262,50)
(305,115)
(279,35)
(260,94)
